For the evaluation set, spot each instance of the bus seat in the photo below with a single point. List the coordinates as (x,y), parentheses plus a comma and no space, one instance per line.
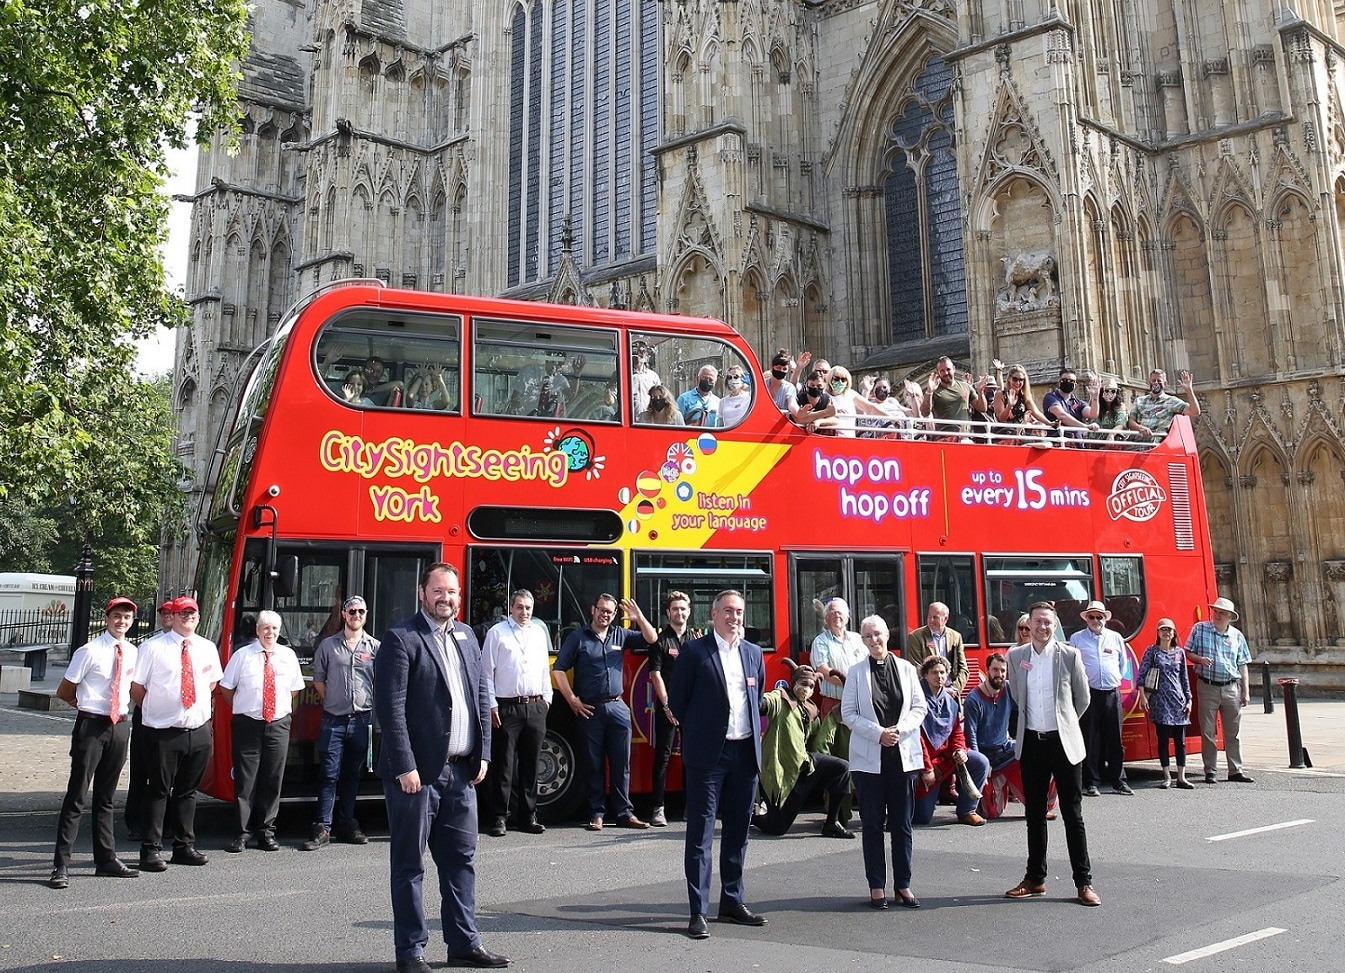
(1067,610)
(1126,613)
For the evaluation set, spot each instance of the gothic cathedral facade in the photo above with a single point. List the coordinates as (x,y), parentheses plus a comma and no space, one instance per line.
(873,180)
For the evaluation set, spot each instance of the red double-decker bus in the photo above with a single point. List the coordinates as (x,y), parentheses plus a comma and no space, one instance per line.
(380,430)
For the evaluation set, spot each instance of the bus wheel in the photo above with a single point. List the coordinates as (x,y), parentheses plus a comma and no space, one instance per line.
(560,789)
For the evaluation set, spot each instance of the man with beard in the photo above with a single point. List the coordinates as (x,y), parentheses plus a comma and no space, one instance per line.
(1156,410)
(987,712)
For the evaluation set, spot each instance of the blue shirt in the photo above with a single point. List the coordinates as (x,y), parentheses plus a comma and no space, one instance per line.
(697,409)
(597,662)
(986,725)
(1103,657)
(1228,652)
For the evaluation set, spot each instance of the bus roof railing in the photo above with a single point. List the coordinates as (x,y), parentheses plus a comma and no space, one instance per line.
(974,431)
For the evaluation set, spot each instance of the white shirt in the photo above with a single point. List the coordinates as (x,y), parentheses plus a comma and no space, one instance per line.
(640,384)
(837,653)
(245,672)
(91,670)
(740,723)
(1039,711)
(158,668)
(1102,656)
(464,708)
(733,407)
(515,661)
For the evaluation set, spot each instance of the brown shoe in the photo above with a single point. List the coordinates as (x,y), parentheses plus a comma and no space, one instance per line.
(633,822)
(1050,815)
(594,824)
(1025,890)
(973,819)
(1088,897)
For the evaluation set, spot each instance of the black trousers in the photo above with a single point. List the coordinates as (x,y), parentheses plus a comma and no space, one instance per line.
(887,808)
(1101,728)
(177,762)
(259,753)
(1044,760)
(137,790)
(829,773)
(665,734)
(97,754)
(1177,734)
(515,745)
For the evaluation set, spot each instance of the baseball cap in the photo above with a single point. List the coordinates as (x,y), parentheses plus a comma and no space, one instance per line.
(185,604)
(121,601)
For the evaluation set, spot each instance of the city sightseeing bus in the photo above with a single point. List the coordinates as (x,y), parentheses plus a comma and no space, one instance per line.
(503,437)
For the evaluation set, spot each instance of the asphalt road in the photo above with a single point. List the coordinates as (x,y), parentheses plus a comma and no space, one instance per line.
(574,901)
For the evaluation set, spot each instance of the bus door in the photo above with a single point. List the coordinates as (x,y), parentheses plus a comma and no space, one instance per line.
(871,584)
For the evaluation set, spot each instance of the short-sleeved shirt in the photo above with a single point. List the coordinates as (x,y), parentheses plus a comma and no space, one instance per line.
(782,395)
(597,661)
(640,384)
(951,401)
(1228,652)
(1157,412)
(347,674)
(158,667)
(732,408)
(836,653)
(697,409)
(245,675)
(1073,405)
(92,668)
(663,653)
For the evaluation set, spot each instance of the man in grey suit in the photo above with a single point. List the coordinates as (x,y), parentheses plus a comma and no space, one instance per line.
(1048,682)
(432,705)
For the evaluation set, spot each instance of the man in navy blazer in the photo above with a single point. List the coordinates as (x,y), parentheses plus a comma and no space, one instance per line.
(715,696)
(434,712)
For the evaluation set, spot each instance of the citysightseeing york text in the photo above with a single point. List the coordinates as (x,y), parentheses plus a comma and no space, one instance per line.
(396,458)
(853,471)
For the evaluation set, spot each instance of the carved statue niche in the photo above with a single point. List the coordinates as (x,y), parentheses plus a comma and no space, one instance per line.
(1029,282)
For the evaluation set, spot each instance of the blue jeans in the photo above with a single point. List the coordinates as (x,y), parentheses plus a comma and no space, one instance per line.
(607,741)
(343,742)
(978,767)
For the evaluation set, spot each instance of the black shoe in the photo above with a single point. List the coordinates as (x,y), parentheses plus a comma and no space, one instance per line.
(187,855)
(238,844)
(879,903)
(1185,785)
(60,877)
(1241,779)
(834,829)
(414,965)
(1121,787)
(1211,779)
(480,957)
(908,899)
(116,868)
(267,842)
(321,836)
(1091,791)
(698,928)
(496,828)
(531,826)
(151,860)
(738,913)
(350,834)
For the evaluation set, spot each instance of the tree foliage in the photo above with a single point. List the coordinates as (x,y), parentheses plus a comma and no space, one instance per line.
(91,94)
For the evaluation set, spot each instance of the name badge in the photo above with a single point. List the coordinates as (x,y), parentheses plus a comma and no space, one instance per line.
(751,680)
(1025,665)
(459,635)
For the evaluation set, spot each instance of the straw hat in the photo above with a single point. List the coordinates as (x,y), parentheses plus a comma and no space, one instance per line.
(1225,605)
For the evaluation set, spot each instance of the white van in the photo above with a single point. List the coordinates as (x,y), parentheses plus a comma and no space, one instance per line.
(35,608)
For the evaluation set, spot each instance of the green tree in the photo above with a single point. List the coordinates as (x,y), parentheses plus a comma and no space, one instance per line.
(91,93)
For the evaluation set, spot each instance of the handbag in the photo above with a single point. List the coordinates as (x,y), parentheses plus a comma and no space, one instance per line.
(1152,678)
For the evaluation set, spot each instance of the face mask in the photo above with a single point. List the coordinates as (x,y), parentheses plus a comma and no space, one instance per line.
(705,386)
(1066,386)
(657,404)
(779,373)
(814,391)
(838,386)
(881,393)
(735,383)
(802,692)
(1156,388)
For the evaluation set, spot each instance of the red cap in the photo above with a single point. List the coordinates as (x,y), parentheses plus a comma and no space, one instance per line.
(167,606)
(119,602)
(185,603)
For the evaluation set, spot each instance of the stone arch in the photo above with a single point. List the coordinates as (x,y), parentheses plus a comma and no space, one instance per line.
(1302,281)
(186,395)
(1321,465)
(1192,299)
(1131,324)
(1240,289)
(1215,473)
(755,323)
(413,239)
(279,291)
(1099,294)
(369,71)
(698,285)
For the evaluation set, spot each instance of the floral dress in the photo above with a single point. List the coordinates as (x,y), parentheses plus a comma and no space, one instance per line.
(1167,705)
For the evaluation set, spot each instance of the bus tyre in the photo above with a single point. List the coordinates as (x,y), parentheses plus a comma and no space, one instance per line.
(560,784)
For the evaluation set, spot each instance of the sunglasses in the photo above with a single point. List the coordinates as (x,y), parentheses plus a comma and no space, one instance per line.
(1093,618)
(355,611)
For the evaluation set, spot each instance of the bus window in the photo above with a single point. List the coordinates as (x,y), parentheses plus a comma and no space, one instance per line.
(524,368)
(870,585)
(564,583)
(677,364)
(1014,583)
(1123,593)
(373,359)
(702,577)
(951,579)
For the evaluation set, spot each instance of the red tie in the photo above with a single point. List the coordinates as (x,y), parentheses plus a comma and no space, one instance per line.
(188,678)
(115,714)
(268,688)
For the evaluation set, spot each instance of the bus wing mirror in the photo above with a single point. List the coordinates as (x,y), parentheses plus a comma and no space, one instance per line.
(287,576)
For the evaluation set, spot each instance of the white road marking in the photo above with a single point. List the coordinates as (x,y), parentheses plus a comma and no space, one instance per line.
(184,900)
(1268,827)
(1210,950)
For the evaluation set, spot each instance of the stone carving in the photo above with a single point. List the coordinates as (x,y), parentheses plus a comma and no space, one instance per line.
(1029,282)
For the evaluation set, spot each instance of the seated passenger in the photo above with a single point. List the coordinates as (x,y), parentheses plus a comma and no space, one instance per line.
(550,402)
(987,711)
(378,382)
(1156,410)
(428,389)
(1075,415)
(946,749)
(662,411)
(352,389)
(846,404)
(526,391)
(813,402)
(700,406)
(949,400)
(1112,414)
(733,406)
(795,764)
(777,384)
(1016,407)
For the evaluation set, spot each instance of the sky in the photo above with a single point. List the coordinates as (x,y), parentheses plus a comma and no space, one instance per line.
(156,352)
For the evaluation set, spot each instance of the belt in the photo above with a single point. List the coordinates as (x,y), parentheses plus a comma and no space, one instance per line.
(599,699)
(1213,682)
(1044,734)
(519,699)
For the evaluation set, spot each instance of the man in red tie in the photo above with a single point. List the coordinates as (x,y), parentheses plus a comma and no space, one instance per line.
(174,677)
(97,683)
(259,684)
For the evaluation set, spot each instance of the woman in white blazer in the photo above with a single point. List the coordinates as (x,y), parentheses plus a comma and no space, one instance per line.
(885,757)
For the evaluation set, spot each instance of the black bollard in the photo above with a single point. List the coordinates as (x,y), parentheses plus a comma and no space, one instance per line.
(1290,689)
(1267,698)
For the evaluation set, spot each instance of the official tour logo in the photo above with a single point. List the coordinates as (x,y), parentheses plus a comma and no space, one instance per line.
(1135,495)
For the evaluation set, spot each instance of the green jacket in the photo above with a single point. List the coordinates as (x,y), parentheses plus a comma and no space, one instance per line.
(789,737)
